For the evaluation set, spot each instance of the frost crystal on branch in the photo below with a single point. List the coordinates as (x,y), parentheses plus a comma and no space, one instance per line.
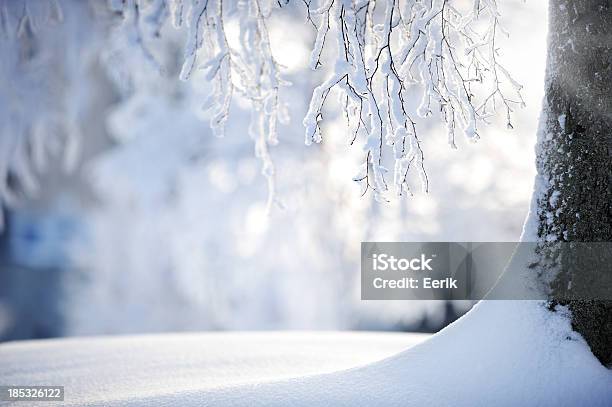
(430,49)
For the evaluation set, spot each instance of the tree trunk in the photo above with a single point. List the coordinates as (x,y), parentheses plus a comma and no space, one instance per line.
(574,151)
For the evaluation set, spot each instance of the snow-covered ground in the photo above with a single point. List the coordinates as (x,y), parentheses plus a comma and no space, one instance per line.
(177,367)
(503,353)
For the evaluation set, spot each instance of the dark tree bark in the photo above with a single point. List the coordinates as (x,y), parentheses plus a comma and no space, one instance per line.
(575,152)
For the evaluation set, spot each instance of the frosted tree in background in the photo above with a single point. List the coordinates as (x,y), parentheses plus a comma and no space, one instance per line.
(42,78)
(384,55)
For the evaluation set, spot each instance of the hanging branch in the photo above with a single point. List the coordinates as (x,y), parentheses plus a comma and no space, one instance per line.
(387,53)
(425,49)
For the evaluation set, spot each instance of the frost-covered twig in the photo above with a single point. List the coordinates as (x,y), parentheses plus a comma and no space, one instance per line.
(250,69)
(429,48)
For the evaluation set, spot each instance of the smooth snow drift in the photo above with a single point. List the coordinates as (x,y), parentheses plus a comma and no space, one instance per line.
(144,370)
(503,353)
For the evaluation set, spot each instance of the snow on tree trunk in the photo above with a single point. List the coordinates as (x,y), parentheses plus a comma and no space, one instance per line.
(574,155)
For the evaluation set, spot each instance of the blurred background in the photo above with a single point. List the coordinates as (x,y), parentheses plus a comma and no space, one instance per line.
(143,221)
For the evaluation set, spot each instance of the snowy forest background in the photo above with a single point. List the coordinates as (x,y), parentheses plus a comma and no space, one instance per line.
(161,226)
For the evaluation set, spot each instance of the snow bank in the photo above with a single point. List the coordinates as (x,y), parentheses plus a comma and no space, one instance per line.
(146,370)
(503,353)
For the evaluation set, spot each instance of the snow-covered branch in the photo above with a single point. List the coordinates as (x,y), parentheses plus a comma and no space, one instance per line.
(249,69)
(432,50)
(387,54)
